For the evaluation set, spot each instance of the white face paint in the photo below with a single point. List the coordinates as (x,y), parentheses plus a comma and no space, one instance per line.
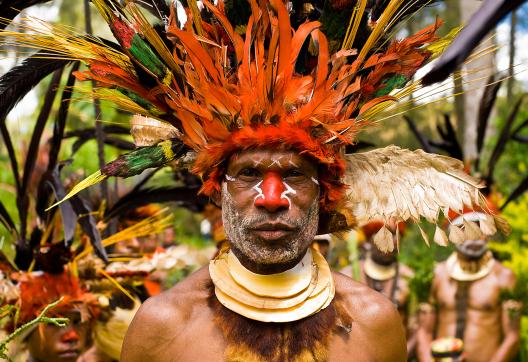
(275,161)
(230,178)
(259,191)
(292,163)
(289,190)
(315,180)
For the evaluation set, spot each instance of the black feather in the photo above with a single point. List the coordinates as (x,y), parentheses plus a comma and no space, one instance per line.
(158,8)
(33,150)
(69,218)
(16,83)
(424,142)
(111,141)
(11,8)
(377,7)
(448,142)
(182,196)
(44,189)
(519,190)
(6,219)
(520,139)
(11,154)
(89,226)
(503,139)
(485,19)
(517,130)
(450,138)
(358,146)
(486,105)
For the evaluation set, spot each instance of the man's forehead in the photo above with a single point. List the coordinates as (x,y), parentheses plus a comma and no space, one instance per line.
(268,157)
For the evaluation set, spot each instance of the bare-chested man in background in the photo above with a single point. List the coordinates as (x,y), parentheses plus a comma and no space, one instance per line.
(466,291)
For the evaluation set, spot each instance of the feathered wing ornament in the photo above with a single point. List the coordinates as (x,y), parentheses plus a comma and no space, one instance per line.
(394,185)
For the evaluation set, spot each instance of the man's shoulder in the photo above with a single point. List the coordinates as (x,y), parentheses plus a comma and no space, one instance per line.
(441,267)
(504,274)
(406,272)
(365,305)
(375,319)
(177,302)
(158,325)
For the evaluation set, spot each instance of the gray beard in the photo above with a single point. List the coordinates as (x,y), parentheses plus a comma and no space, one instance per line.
(258,251)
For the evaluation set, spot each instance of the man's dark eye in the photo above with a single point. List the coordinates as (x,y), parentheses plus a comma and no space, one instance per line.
(293,174)
(248,173)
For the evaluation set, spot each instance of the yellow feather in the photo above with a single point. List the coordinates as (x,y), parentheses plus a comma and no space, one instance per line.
(94,178)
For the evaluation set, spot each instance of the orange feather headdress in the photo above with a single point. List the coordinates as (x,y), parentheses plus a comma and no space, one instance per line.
(205,88)
(221,93)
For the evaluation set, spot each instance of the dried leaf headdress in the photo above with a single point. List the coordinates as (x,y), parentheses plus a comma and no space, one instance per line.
(219,93)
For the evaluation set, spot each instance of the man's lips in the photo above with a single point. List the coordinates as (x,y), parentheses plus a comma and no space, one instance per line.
(73,353)
(272,231)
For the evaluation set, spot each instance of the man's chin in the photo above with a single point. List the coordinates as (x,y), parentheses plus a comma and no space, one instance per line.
(270,255)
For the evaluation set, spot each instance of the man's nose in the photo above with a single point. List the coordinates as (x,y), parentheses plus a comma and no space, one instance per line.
(270,192)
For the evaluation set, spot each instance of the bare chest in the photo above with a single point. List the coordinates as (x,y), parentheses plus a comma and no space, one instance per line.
(397,290)
(203,340)
(481,295)
(210,345)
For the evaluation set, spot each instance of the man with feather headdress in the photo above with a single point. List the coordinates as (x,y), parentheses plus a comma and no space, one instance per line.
(264,121)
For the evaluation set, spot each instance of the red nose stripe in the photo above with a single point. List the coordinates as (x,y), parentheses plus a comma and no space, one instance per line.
(272,187)
(69,336)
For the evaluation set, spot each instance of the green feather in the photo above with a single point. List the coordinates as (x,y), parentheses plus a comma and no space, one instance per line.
(146,56)
(130,164)
(396,82)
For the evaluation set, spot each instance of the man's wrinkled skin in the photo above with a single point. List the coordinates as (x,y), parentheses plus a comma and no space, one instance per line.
(49,343)
(268,236)
(491,331)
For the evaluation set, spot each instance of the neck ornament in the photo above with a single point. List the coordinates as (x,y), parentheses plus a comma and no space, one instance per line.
(464,270)
(294,294)
(377,271)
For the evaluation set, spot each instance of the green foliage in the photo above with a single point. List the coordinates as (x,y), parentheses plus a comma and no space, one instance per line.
(512,167)
(420,284)
(514,254)
(59,322)
(415,253)
(187,228)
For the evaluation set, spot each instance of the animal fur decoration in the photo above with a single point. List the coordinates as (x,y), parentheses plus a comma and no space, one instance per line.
(224,93)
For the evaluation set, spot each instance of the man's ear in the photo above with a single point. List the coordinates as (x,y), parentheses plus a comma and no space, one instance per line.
(216,197)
